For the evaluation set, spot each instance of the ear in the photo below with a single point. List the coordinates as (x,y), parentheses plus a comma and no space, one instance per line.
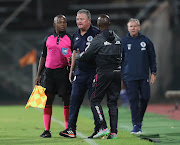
(89,21)
(54,25)
(139,28)
(99,26)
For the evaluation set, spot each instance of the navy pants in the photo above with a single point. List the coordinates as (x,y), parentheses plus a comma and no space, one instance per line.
(138,95)
(81,84)
(110,84)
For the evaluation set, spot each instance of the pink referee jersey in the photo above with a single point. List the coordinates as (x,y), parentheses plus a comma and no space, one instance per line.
(58,51)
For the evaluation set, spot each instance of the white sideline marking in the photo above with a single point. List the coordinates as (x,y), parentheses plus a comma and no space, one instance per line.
(124,127)
(90,141)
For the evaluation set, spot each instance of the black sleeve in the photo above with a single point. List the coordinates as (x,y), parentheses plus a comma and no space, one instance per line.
(122,50)
(44,51)
(91,50)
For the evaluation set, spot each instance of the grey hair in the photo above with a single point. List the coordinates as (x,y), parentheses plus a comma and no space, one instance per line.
(134,20)
(87,12)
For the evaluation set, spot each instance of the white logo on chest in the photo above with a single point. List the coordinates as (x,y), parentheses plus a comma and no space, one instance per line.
(107,43)
(143,45)
(129,46)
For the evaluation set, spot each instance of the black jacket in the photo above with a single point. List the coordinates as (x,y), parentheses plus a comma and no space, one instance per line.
(106,49)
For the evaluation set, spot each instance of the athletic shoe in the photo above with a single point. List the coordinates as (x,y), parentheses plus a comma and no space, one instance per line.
(102,132)
(112,136)
(68,133)
(95,132)
(45,134)
(136,130)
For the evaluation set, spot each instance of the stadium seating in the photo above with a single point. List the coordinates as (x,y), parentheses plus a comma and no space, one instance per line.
(27,30)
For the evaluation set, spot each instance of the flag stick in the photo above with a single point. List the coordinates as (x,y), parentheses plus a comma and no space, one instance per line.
(34,74)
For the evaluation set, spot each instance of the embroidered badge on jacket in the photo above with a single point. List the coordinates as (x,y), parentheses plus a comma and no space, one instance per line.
(64,51)
(143,45)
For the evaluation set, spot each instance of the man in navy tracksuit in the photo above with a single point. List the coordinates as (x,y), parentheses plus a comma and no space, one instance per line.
(83,72)
(138,59)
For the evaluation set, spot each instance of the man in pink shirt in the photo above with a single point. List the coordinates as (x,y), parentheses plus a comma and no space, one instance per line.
(55,60)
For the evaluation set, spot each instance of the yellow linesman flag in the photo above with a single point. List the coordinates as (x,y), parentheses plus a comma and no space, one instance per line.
(38,98)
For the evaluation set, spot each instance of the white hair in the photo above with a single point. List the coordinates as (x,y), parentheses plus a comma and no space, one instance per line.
(134,20)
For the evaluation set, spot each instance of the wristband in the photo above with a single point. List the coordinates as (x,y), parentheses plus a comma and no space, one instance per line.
(154,73)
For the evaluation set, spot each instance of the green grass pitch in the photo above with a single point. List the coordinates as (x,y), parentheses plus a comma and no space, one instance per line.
(20,126)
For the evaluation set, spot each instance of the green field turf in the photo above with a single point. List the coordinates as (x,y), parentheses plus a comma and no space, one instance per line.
(20,126)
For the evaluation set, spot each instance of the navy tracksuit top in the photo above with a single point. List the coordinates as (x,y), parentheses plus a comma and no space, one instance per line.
(81,42)
(138,57)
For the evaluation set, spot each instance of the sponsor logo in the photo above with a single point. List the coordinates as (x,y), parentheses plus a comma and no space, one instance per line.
(143,48)
(70,132)
(77,38)
(107,43)
(129,46)
(74,78)
(118,42)
(99,113)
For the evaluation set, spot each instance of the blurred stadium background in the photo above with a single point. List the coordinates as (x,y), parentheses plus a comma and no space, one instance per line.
(25,23)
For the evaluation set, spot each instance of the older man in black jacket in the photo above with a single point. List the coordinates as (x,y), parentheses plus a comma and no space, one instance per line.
(106,50)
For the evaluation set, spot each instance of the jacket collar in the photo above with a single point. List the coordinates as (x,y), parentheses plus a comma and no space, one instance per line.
(139,34)
(90,28)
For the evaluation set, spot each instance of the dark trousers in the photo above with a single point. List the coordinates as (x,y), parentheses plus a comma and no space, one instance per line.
(110,84)
(138,95)
(81,84)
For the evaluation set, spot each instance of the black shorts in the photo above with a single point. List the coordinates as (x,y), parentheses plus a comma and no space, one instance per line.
(56,81)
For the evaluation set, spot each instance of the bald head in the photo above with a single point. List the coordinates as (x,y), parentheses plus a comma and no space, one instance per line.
(103,22)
